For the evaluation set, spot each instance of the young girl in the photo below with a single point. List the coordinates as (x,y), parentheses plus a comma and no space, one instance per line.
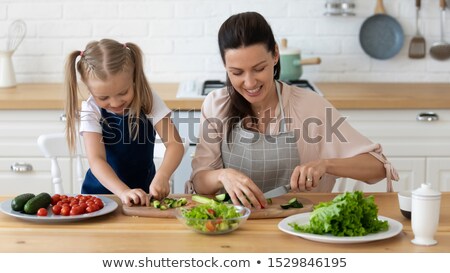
(118,123)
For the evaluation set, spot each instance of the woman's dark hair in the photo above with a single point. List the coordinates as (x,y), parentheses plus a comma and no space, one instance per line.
(242,30)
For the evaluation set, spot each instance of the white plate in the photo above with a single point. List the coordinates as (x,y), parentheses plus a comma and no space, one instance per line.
(109,206)
(395,228)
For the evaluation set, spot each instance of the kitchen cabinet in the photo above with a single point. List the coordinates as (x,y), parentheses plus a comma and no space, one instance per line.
(418,149)
(411,171)
(414,147)
(417,142)
(438,173)
(22,166)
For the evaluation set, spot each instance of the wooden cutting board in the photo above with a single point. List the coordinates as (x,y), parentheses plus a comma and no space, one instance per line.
(272,211)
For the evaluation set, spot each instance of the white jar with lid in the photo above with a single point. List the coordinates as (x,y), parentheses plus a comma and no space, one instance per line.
(425,214)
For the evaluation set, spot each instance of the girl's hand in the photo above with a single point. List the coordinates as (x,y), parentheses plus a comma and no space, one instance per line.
(160,187)
(131,197)
(307,176)
(242,189)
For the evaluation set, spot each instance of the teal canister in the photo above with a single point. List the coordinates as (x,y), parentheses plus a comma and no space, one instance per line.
(290,58)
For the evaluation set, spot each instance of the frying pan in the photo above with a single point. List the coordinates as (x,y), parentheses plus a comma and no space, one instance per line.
(381,36)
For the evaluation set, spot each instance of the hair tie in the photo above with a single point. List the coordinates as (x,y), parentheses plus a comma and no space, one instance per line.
(81,53)
(124,45)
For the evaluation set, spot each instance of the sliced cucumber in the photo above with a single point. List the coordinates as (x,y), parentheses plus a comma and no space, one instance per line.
(223,197)
(202,199)
(292,203)
(168,203)
(156,204)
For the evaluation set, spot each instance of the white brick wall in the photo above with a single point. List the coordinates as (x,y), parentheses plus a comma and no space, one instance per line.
(179,36)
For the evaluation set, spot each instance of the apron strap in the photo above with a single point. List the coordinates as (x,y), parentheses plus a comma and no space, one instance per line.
(283,127)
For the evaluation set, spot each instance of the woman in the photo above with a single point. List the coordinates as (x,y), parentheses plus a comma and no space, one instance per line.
(258,133)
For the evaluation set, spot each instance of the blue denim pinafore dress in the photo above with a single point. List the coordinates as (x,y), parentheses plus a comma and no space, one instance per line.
(132,160)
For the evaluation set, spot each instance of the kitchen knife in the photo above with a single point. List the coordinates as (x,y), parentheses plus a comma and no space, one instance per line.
(277,191)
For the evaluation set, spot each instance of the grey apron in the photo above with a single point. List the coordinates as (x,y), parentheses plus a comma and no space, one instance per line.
(268,160)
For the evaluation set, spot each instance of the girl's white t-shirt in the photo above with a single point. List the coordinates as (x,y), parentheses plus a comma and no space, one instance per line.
(91,114)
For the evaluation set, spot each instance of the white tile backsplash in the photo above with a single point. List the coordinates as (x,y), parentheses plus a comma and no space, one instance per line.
(179,37)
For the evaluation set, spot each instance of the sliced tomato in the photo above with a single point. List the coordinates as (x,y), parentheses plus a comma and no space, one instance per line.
(210,226)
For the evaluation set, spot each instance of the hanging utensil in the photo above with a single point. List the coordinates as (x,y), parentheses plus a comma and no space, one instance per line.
(16,33)
(381,36)
(417,46)
(441,50)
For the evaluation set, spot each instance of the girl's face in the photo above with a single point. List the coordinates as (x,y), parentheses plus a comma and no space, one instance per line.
(251,71)
(115,94)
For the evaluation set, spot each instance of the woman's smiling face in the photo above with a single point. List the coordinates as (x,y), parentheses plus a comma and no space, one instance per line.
(114,94)
(250,70)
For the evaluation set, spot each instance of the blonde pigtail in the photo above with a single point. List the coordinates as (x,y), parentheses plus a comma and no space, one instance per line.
(71,107)
(143,93)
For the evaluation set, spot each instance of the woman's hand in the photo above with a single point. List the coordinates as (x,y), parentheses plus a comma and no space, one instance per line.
(160,187)
(307,176)
(131,197)
(242,189)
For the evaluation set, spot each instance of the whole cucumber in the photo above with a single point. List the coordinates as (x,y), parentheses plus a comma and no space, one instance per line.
(42,200)
(19,201)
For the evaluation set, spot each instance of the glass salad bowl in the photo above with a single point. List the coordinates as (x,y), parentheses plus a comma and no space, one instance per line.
(213,218)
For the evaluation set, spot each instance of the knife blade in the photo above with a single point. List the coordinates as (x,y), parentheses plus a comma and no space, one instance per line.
(277,191)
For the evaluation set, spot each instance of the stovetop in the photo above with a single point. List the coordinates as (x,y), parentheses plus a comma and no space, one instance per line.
(199,89)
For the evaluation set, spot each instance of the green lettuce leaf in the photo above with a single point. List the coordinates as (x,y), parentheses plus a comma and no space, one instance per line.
(348,214)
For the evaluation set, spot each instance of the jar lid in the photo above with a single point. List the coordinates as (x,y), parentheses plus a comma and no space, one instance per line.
(425,190)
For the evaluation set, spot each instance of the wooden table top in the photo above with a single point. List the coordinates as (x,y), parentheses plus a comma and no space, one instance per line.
(41,96)
(116,232)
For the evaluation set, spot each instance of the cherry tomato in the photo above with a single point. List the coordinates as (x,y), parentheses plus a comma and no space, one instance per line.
(56,209)
(84,206)
(99,203)
(42,212)
(76,210)
(55,199)
(92,208)
(65,211)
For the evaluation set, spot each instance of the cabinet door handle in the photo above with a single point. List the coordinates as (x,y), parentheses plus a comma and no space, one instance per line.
(427,116)
(21,167)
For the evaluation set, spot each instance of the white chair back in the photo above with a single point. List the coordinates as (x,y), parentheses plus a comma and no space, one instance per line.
(54,146)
